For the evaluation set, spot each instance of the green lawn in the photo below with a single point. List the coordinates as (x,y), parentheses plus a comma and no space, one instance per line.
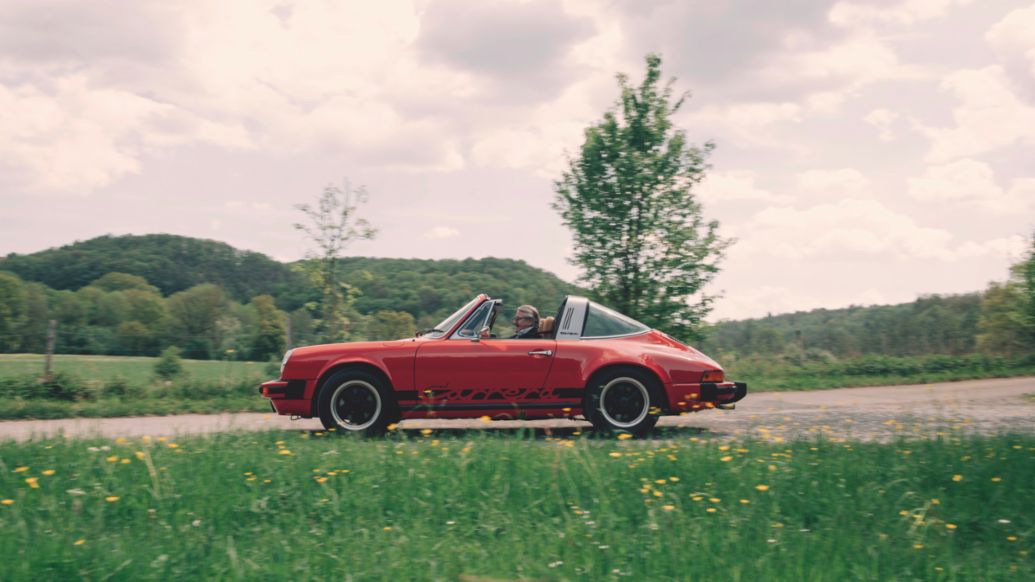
(433,506)
(136,370)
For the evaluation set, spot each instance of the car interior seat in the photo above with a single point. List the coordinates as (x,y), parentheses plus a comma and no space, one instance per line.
(546,326)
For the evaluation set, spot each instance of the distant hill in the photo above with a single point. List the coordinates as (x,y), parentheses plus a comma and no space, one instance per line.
(425,288)
(171,263)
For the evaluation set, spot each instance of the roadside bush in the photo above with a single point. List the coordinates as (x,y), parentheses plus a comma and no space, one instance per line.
(66,387)
(169,364)
(120,387)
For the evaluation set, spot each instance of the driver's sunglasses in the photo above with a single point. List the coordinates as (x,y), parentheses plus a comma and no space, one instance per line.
(520,317)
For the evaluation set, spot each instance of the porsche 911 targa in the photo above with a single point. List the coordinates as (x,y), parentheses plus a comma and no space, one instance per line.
(588,361)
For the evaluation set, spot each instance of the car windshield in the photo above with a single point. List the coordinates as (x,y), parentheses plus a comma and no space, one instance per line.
(450,321)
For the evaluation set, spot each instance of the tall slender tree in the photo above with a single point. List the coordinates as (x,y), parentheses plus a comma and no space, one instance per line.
(641,241)
(333,224)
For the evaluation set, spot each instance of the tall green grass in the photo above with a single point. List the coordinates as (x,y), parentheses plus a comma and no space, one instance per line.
(776,373)
(96,386)
(430,506)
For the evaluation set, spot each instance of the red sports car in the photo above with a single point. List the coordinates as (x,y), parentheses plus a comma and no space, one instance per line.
(588,361)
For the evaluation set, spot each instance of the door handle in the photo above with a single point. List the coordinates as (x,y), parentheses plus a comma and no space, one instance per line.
(546,353)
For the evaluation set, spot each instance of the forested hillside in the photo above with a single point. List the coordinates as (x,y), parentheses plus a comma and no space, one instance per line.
(135,295)
(935,324)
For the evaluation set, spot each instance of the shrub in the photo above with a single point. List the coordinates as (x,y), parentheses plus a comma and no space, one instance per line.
(169,364)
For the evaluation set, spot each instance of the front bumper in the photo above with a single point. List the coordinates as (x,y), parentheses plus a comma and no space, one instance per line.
(289,389)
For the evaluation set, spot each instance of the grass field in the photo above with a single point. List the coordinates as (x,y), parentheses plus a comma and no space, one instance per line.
(135,370)
(93,386)
(425,506)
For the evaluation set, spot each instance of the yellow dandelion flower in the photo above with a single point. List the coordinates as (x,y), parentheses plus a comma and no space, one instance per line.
(111,498)
(936,501)
(772,468)
(112,459)
(7,502)
(139,455)
(33,482)
(726,459)
(957,478)
(903,513)
(918,546)
(162,439)
(321,480)
(125,461)
(674,479)
(21,469)
(284,452)
(485,419)
(668,507)
(660,481)
(696,497)
(49,472)
(761,487)
(615,455)
(745,501)
(120,440)
(996,479)
(387,528)
(724,448)
(173,446)
(710,510)
(79,542)
(624,436)
(267,481)
(950,526)
(714,499)
(393,426)
(657,493)
(1008,538)
(426,431)
(145,438)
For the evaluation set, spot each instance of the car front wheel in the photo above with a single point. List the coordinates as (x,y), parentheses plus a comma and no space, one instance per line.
(353,401)
(623,400)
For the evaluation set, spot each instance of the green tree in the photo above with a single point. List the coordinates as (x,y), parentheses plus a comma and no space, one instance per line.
(13,310)
(169,365)
(390,325)
(194,315)
(333,224)
(269,335)
(123,282)
(640,238)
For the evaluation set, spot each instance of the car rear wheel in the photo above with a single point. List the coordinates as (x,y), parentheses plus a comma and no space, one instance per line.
(355,401)
(623,400)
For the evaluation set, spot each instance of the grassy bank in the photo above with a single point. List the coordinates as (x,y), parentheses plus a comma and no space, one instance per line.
(778,374)
(425,506)
(95,386)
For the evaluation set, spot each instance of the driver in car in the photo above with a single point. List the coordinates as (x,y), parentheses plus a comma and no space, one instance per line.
(526,322)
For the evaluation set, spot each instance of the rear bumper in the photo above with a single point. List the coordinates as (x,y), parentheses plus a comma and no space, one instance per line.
(691,397)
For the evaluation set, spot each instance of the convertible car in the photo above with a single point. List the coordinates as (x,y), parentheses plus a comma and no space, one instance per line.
(589,361)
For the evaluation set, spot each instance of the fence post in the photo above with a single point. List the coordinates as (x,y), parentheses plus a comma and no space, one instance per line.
(51,337)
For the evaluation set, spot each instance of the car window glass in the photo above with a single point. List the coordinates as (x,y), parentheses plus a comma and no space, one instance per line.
(603,322)
(452,319)
(471,327)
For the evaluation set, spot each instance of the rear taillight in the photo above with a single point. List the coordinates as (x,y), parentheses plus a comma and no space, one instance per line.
(713,376)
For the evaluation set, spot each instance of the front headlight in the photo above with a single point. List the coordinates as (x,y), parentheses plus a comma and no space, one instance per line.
(284,362)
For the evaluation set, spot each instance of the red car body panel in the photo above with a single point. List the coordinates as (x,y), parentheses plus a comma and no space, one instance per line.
(450,377)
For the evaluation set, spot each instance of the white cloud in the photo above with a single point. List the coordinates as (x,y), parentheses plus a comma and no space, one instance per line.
(735,185)
(848,227)
(856,14)
(1015,35)
(883,120)
(837,183)
(441,232)
(972,183)
(772,299)
(989,116)
(857,61)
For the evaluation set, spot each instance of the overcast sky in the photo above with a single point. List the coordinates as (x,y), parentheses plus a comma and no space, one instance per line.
(868,151)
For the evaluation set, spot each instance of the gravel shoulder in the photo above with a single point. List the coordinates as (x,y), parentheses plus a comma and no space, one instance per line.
(878,413)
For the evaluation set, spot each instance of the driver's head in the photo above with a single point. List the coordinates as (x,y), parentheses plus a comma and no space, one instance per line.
(526,316)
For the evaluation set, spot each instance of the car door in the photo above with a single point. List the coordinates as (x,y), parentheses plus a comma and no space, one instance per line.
(481,374)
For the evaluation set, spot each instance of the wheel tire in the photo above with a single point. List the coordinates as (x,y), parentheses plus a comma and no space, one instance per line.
(356,402)
(623,399)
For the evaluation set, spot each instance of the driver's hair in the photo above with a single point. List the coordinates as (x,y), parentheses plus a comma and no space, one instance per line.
(529,311)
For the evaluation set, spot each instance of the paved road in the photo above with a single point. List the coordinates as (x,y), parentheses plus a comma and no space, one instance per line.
(879,413)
